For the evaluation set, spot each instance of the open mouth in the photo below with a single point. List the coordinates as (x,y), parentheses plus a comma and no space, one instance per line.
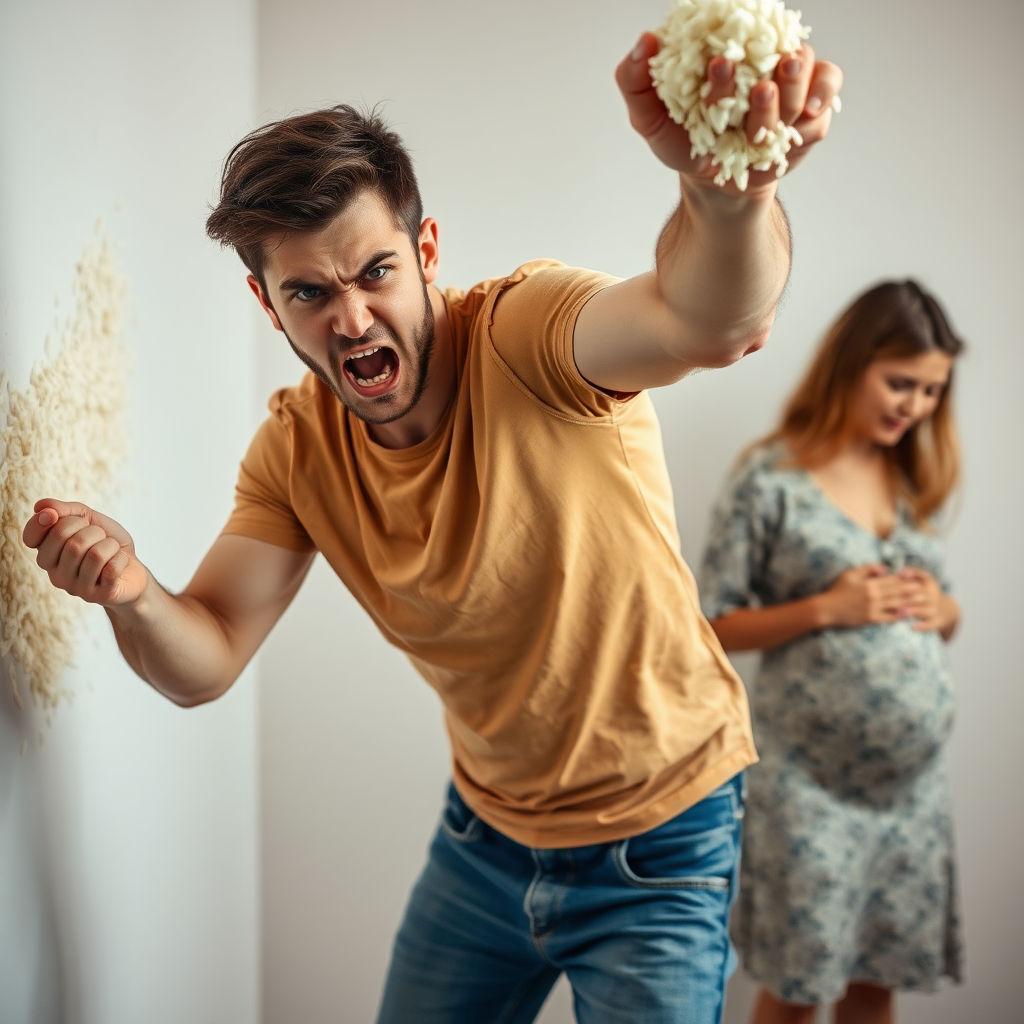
(372,371)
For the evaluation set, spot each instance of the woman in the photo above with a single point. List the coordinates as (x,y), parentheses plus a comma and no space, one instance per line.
(821,555)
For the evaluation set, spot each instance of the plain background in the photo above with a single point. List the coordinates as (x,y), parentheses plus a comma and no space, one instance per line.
(128,860)
(128,829)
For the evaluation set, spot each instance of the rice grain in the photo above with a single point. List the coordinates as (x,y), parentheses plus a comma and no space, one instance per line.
(63,437)
(754,35)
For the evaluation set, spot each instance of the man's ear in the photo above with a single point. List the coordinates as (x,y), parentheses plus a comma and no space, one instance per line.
(257,290)
(428,250)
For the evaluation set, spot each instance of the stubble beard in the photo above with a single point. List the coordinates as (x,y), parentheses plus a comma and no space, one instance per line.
(385,408)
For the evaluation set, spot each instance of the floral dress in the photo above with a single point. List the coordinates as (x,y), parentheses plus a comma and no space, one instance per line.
(848,869)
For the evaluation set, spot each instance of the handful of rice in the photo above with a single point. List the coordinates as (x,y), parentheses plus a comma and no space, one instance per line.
(754,35)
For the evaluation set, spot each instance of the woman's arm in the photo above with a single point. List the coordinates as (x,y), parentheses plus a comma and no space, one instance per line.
(755,629)
(859,597)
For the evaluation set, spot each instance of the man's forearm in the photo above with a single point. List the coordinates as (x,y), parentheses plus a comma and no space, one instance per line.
(722,264)
(176,644)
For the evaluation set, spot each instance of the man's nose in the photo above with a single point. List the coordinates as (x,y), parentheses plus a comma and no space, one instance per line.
(350,316)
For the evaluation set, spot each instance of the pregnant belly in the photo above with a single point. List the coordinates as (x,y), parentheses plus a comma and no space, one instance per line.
(863,710)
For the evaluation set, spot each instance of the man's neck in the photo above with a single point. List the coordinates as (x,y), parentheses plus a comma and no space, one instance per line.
(422,420)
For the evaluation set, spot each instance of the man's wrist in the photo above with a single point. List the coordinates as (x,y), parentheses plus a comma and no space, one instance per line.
(137,610)
(704,198)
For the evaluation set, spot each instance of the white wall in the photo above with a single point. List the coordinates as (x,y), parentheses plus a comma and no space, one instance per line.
(128,854)
(523,151)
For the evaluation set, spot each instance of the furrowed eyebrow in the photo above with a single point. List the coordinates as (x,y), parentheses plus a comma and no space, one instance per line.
(298,284)
(377,257)
(295,284)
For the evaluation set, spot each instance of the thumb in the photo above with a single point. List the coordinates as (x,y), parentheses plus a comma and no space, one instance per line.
(50,510)
(48,513)
(62,508)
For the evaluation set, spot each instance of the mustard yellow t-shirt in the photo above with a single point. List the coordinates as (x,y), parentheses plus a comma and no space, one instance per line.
(526,559)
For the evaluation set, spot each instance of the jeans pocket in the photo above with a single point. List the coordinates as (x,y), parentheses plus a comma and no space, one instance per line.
(634,874)
(697,849)
(457,820)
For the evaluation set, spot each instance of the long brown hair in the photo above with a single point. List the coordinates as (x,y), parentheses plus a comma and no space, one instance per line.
(893,320)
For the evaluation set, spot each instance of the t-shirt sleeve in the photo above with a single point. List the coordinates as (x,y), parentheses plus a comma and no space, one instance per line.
(263,508)
(532,328)
(738,545)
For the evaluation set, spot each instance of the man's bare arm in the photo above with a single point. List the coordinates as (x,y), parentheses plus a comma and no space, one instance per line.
(191,646)
(723,258)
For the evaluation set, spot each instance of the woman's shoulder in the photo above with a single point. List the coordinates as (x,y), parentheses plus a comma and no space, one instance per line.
(760,482)
(768,463)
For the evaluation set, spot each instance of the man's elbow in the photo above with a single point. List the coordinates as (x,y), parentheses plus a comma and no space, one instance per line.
(725,353)
(755,343)
(192,698)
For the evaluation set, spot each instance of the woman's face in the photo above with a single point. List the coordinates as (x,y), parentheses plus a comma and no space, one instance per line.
(894,394)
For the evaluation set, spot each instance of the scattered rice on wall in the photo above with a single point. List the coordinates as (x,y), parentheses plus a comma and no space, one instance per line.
(754,34)
(63,438)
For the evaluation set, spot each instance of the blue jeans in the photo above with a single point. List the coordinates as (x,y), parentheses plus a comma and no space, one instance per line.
(640,926)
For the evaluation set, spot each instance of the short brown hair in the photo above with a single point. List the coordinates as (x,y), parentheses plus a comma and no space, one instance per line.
(299,173)
(893,320)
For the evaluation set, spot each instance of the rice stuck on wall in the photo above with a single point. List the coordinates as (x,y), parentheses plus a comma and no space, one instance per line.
(63,437)
(754,35)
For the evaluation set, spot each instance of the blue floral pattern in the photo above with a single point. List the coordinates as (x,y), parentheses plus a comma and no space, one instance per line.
(848,862)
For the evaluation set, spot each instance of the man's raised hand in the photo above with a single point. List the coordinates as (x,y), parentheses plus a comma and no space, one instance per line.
(800,94)
(85,553)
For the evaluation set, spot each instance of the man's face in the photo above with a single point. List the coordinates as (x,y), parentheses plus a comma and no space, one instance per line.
(352,300)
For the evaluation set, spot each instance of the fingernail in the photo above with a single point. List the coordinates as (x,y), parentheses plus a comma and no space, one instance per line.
(47,518)
(792,67)
(813,106)
(721,71)
(764,94)
(640,49)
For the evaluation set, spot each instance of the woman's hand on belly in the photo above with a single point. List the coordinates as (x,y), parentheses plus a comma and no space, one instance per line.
(931,606)
(871,595)
(867,595)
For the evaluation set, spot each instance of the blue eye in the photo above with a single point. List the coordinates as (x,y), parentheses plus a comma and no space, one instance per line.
(308,294)
(377,274)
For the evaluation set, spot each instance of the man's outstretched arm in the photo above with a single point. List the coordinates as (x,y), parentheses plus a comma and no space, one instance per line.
(723,258)
(189,646)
